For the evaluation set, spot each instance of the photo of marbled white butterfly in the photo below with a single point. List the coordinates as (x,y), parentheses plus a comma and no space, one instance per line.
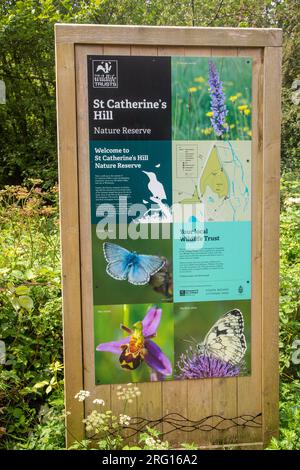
(125,265)
(221,353)
(226,339)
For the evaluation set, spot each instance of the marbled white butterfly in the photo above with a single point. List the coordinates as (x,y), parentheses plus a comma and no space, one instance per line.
(226,339)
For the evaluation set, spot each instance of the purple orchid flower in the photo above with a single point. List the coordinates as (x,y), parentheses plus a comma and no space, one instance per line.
(196,365)
(218,106)
(136,347)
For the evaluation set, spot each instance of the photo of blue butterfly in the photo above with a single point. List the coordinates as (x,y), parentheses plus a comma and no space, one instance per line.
(128,265)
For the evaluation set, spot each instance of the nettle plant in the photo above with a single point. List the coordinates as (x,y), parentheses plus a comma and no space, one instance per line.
(107,431)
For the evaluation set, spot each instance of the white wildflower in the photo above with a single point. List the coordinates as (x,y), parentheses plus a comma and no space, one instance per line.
(124,420)
(94,421)
(292,200)
(82,395)
(157,444)
(128,392)
(99,401)
(150,442)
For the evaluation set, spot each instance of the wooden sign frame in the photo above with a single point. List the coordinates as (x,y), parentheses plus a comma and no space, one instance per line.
(256,395)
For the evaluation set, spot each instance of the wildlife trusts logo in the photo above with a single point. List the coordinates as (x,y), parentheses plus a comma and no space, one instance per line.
(105,74)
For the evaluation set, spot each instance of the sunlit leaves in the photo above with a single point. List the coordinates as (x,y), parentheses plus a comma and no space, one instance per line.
(26,302)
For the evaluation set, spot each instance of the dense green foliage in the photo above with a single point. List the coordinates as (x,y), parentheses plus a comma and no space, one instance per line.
(289,418)
(289,275)
(31,381)
(31,386)
(27,121)
(289,314)
(30,310)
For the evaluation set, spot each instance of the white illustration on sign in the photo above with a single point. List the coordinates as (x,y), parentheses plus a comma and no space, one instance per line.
(161,212)
(105,69)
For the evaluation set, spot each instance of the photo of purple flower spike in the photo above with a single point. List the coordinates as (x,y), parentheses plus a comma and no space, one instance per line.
(138,346)
(218,106)
(196,365)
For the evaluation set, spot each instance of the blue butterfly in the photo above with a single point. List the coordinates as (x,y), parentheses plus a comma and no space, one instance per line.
(124,264)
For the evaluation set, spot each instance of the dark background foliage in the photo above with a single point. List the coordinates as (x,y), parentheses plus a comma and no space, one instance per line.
(28,121)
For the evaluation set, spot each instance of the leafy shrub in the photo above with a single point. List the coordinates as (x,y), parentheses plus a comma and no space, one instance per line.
(30,309)
(289,315)
(27,121)
(289,418)
(49,432)
(289,275)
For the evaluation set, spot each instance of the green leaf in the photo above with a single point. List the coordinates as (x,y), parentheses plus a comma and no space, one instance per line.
(22,290)
(40,384)
(15,303)
(17,413)
(29,274)
(57,402)
(17,274)
(26,302)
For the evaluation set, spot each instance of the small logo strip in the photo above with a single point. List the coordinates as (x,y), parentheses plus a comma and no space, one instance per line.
(188,292)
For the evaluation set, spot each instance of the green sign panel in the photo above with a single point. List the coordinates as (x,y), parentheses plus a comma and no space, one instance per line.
(170,182)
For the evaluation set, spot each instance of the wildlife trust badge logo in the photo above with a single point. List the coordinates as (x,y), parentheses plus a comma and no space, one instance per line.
(105,74)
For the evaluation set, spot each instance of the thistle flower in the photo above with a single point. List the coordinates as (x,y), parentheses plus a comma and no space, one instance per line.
(196,365)
(217,105)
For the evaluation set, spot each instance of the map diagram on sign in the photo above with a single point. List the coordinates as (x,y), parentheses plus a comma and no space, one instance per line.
(216,174)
